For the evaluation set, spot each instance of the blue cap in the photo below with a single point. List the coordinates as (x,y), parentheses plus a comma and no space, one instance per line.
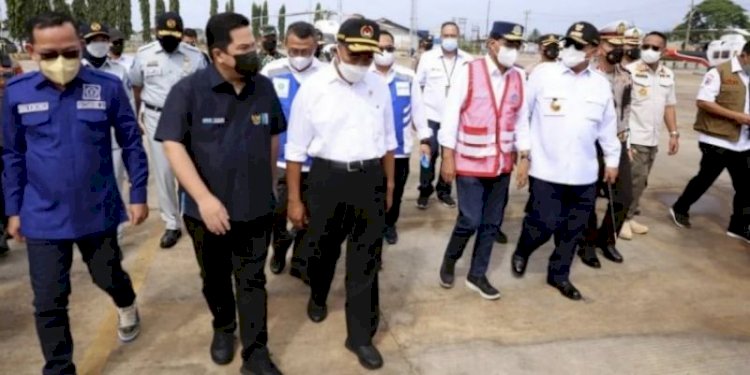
(507,30)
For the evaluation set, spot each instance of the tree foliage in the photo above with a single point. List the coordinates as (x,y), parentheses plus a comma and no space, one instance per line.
(79,10)
(146,20)
(124,18)
(282,22)
(174,6)
(255,19)
(318,12)
(264,14)
(60,6)
(711,18)
(160,8)
(214,7)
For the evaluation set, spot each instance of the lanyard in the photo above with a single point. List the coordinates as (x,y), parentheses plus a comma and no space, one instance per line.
(449,76)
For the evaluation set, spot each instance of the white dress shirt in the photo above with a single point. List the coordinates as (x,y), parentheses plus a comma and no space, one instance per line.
(283,63)
(447,136)
(437,73)
(709,91)
(125,60)
(419,121)
(334,120)
(569,113)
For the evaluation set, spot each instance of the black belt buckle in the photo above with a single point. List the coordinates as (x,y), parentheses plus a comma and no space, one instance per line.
(355,166)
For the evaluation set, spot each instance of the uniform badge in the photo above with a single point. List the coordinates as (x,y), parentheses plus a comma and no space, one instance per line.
(555,105)
(92,92)
(96,27)
(643,91)
(171,23)
(367,31)
(256,118)
(517,30)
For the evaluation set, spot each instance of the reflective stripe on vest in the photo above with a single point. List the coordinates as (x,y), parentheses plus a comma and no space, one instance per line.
(401,112)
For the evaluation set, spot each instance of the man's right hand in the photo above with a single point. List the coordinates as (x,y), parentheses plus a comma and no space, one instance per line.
(141,122)
(448,169)
(296,214)
(743,118)
(522,173)
(14,228)
(214,215)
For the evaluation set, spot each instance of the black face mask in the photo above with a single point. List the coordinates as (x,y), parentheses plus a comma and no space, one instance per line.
(614,56)
(269,45)
(117,49)
(633,53)
(95,61)
(427,46)
(169,43)
(552,52)
(247,64)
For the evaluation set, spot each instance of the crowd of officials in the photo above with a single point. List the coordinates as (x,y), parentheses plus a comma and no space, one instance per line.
(253,150)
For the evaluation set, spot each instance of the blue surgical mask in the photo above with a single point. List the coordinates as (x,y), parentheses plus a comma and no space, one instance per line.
(450,44)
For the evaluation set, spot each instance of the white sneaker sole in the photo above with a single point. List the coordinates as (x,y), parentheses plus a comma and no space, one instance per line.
(445,285)
(484,295)
(737,236)
(674,218)
(129,338)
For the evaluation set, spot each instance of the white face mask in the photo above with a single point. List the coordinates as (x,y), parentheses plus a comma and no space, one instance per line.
(507,56)
(450,44)
(300,63)
(384,58)
(352,73)
(650,56)
(571,57)
(98,49)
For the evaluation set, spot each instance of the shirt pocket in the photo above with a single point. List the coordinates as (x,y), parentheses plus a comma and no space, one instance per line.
(641,89)
(38,125)
(152,74)
(94,127)
(554,104)
(594,109)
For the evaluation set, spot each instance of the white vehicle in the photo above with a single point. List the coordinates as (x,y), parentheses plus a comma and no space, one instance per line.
(727,47)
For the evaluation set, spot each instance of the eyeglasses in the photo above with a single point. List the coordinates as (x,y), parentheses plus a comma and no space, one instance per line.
(578,46)
(647,47)
(69,54)
(390,49)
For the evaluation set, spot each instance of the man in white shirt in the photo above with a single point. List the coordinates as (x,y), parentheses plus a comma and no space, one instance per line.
(436,74)
(117,48)
(571,109)
(342,117)
(723,119)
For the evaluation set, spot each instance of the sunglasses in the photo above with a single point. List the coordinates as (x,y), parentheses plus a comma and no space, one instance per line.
(118,43)
(390,49)
(576,45)
(647,47)
(69,54)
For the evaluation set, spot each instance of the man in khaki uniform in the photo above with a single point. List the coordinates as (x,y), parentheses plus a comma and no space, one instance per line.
(632,46)
(654,104)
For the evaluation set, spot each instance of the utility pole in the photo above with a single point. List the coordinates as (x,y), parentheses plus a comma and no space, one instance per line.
(526,14)
(689,24)
(413,34)
(341,12)
(487,27)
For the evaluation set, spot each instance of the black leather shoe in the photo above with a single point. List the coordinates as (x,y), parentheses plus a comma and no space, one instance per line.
(316,313)
(447,270)
(611,253)
(588,256)
(567,289)
(518,265)
(501,237)
(223,348)
(447,200)
(170,238)
(391,236)
(369,356)
(260,364)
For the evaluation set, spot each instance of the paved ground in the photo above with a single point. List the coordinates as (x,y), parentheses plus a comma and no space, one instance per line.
(678,305)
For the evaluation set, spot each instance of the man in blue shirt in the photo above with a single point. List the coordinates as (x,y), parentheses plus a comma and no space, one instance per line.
(59,184)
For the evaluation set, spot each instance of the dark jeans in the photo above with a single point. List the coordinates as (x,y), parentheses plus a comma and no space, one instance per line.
(241,252)
(300,253)
(427,175)
(619,203)
(559,210)
(49,269)
(401,175)
(348,206)
(480,204)
(714,161)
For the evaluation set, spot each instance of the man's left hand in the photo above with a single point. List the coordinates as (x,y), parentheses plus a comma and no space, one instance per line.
(674,145)
(138,213)
(389,197)
(610,175)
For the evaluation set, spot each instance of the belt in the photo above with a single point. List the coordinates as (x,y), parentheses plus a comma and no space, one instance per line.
(349,166)
(152,107)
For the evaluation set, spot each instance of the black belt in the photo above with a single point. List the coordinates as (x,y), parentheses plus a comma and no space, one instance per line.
(152,107)
(349,166)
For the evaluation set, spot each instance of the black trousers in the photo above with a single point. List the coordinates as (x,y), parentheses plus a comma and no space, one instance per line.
(619,203)
(49,269)
(300,253)
(402,174)
(241,252)
(714,161)
(427,175)
(348,206)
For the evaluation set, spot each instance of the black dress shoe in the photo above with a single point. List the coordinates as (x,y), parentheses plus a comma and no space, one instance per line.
(223,348)
(391,236)
(316,313)
(501,237)
(170,238)
(447,200)
(588,256)
(518,265)
(567,289)
(447,270)
(260,364)
(369,356)
(611,253)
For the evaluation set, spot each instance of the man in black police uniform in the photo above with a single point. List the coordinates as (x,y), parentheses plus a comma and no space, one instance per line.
(220,129)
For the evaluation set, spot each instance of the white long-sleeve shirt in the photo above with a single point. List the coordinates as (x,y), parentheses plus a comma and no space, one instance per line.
(437,74)
(569,113)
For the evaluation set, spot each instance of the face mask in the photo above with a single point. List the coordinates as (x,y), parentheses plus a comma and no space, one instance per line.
(614,57)
(450,44)
(117,49)
(60,70)
(507,56)
(384,59)
(552,52)
(269,45)
(571,57)
(300,63)
(352,73)
(98,49)
(247,64)
(169,43)
(650,56)
(633,53)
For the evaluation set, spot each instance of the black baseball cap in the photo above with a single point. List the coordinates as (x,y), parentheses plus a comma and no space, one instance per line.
(116,35)
(360,35)
(548,39)
(169,24)
(583,33)
(507,30)
(92,29)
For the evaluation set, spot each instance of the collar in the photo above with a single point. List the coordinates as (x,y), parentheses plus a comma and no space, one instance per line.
(84,76)
(310,69)
(389,76)
(442,53)
(215,79)
(736,66)
(492,67)
(333,75)
(87,63)
(570,71)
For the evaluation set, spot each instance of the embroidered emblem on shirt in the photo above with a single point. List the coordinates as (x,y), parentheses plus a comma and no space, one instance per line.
(92,92)
(555,105)
(643,91)
(281,85)
(33,107)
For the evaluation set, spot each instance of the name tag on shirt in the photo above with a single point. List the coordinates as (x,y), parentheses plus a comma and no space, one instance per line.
(150,72)
(33,107)
(403,89)
(213,120)
(281,85)
(91,104)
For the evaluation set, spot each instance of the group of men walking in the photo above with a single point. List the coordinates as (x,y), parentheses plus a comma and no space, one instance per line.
(241,143)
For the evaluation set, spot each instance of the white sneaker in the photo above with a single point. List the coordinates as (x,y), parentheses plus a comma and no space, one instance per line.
(638,228)
(129,323)
(626,233)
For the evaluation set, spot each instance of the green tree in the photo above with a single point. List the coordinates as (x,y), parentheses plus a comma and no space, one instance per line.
(13,14)
(229,6)
(255,19)
(160,8)
(61,6)
(145,20)
(124,21)
(318,12)
(282,22)
(214,7)
(535,34)
(174,6)
(264,14)
(710,18)
(79,10)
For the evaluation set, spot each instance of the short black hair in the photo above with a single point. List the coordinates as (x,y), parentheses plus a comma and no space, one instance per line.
(302,30)
(190,33)
(746,48)
(449,23)
(388,33)
(47,20)
(219,29)
(659,34)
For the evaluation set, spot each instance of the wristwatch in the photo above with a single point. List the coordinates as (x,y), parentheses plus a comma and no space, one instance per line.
(675,134)
(425,141)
